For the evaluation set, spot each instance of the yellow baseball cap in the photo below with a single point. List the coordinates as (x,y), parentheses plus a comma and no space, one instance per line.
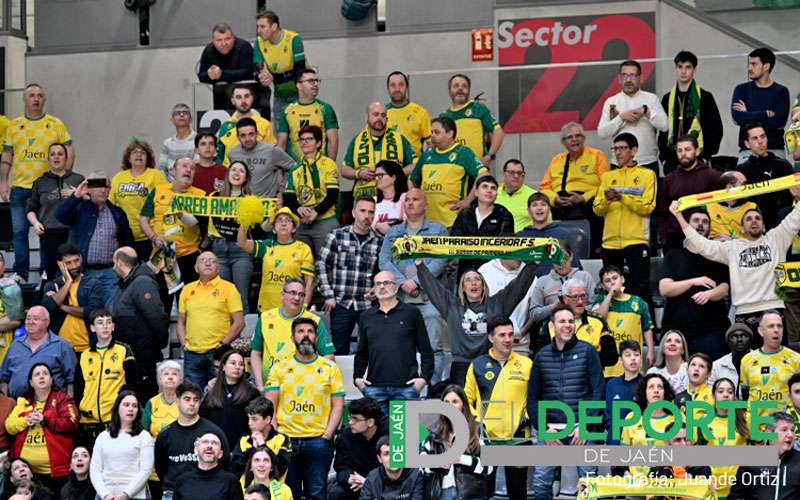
(285,211)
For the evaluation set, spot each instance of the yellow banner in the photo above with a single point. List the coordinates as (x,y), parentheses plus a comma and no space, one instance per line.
(216,206)
(480,247)
(787,275)
(612,486)
(736,193)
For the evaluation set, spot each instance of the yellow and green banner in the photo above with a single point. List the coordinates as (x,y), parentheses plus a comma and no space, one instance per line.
(479,247)
(612,486)
(787,275)
(215,206)
(736,193)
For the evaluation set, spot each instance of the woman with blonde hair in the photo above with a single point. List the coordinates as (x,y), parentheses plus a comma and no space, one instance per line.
(673,360)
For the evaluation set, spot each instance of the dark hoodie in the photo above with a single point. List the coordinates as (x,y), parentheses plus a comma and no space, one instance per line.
(46,195)
(769,482)
(75,489)
(355,453)
(702,178)
(378,486)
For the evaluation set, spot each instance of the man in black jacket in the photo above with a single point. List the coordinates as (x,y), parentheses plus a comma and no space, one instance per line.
(771,482)
(227,59)
(388,483)
(139,316)
(208,480)
(355,449)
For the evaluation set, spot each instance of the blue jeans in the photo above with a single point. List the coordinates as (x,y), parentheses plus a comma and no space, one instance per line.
(108,283)
(384,394)
(309,464)
(199,368)
(19,222)
(543,476)
(235,265)
(342,323)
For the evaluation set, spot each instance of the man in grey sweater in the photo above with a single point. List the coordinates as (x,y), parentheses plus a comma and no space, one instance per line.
(266,163)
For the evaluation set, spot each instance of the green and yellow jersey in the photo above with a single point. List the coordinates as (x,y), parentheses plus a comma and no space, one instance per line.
(636,435)
(157,416)
(726,220)
(365,151)
(444,175)
(310,183)
(297,115)
(29,141)
(280,261)
(627,319)
(473,122)
(280,58)
(227,138)
(724,474)
(411,120)
(305,391)
(169,226)
(764,375)
(129,193)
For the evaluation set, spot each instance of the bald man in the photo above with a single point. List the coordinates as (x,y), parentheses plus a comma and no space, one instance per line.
(405,272)
(40,345)
(140,319)
(372,145)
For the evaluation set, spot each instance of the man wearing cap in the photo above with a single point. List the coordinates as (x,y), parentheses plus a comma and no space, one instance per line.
(739,338)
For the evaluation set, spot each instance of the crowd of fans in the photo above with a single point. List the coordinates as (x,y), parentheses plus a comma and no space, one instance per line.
(91,409)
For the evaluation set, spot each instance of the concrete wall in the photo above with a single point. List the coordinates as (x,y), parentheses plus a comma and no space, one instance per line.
(107,97)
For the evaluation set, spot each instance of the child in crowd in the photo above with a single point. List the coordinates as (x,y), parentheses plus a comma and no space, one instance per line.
(623,388)
(698,371)
(260,413)
(793,408)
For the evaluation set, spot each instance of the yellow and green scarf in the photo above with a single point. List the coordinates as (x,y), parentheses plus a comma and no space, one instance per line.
(479,247)
(364,156)
(683,112)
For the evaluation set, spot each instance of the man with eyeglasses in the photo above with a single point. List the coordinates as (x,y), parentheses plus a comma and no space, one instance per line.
(634,111)
(390,334)
(513,193)
(179,145)
(308,110)
(272,340)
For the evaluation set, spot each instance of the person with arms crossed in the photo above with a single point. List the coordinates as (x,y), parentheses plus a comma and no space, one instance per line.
(227,59)
(474,120)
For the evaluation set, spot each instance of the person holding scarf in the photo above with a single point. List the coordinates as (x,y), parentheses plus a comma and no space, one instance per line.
(375,143)
(691,110)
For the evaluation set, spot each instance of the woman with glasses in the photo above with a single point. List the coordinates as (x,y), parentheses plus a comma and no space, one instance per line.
(392,185)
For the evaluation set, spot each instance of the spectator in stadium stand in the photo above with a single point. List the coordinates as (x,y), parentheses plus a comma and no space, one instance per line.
(209,479)
(346,265)
(763,165)
(623,387)
(226,399)
(242,100)
(408,117)
(468,310)
(672,360)
(27,142)
(405,273)
(475,123)
(572,178)
(724,389)
(445,172)
(498,273)
(79,486)
(625,199)
(762,100)
(39,346)
(691,110)
(261,433)
(695,289)
(235,264)
(692,176)
(279,56)
(122,457)
(542,227)
(550,369)
(751,261)
(18,474)
(209,175)
(11,307)
(387,482)
(308,110)
(791,296)
(501,375)
(268,164)
(179,145)
(312,190)
(43,422)
(97,227)
(738,337)
(140,320)
(162,409)
(47,192)
(355,449)
(174,449)
(726,216)
(71,297)
(307,392)
(513,194)
(130,186)
(183,230)
(636,112)
(392,186)
(390,336)
(262,468)
(376,142)
(772,481)
(547,289)
(210,317)
(483,217)
(227,59)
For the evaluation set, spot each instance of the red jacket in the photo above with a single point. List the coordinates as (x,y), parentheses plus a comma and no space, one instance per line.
(60,421)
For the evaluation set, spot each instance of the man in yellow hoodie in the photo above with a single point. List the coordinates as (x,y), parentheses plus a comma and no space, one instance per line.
(626,198)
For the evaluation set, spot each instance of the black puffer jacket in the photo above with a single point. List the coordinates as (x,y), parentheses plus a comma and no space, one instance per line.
(499,223)
(570,375)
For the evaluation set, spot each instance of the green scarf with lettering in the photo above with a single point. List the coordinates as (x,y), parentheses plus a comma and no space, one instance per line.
(364,156)
(684,115)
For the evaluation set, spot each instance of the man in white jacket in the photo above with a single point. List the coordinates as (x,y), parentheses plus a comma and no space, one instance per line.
(751,261)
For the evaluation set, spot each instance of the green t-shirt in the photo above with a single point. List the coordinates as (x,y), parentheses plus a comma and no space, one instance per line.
(296,115)
(473,122)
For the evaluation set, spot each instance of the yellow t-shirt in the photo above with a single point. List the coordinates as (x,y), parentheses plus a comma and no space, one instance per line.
(73,329)
(765,375)
(411,120)
(280,261)
(35,448)
(473,122)
(170,227)
(228,137)
(129,193)
(727,220)
(29,140)
(208,309)
(636,435)
(4,121)
(296,115)
(305,391)
(627,319)
(724,474)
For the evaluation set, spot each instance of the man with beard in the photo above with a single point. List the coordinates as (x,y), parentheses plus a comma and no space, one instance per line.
(266,163)
(739,337)
(308,110)
(474,121)
(751,260)
(209,480)
(242,99)
(692,176)
(390,335)
(375,143)
(695,289)
(406,116)
(308,393)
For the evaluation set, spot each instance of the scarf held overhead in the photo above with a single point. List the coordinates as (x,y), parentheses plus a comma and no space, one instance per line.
(476,247)
(684,115)
(739,192)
